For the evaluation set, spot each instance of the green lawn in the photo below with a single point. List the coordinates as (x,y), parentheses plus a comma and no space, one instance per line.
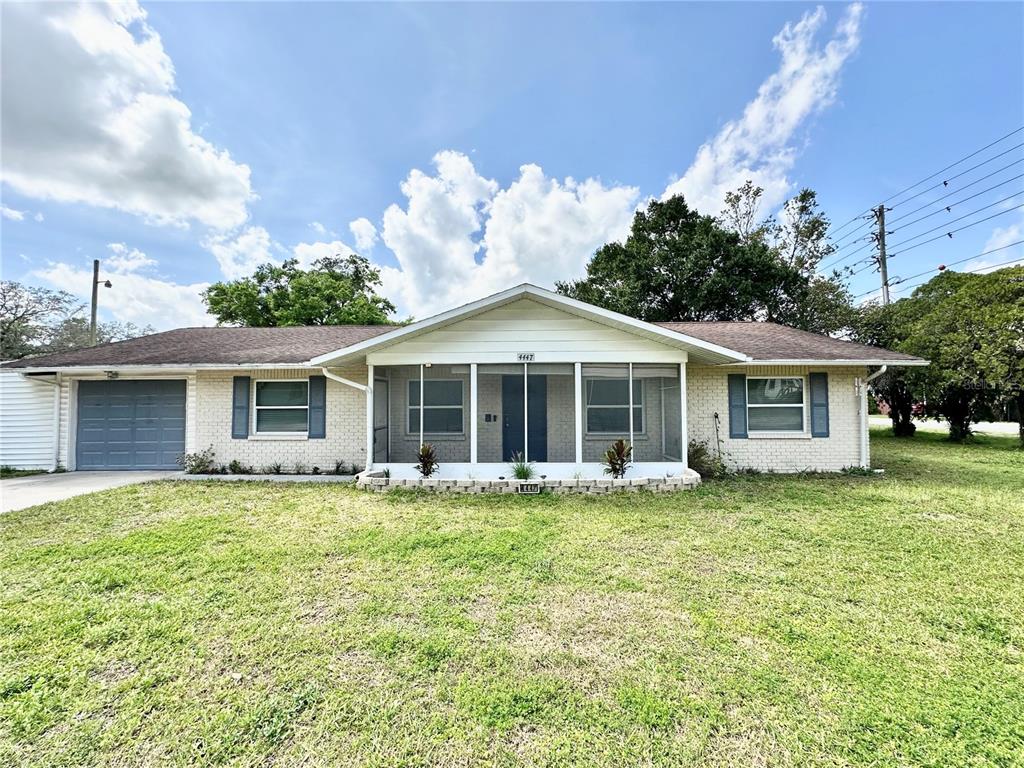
(757,621)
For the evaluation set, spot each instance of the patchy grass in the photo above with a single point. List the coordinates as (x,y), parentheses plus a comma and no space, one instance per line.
(758,621)
(8,472)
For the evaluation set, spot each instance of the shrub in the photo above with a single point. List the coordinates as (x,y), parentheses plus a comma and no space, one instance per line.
(521,470)
(617,459)
(704,462)
(273,469)
(198,463)
(426,462)
(300,468)
(340,468)
(316,470)
(238,468)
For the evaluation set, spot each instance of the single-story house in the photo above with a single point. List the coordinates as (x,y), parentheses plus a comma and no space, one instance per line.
(525,371)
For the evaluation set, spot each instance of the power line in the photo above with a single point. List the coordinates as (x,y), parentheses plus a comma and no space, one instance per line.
(960,229)
(965,186)
(951,165)
(868,211)
(968,272)
(945,182)
(900,280)
(959,218)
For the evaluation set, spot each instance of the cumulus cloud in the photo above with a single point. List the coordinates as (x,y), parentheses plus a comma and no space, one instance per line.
(239,253)
(11,213)
(365,234)
(461,236)
(760,144)
(307,253)
(1007,240)
(125,259)
(91,116)
(135,298)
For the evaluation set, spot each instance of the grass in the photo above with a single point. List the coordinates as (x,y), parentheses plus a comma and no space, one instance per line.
(8,472)
(757,621)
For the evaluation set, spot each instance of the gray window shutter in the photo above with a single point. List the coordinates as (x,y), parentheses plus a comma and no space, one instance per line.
(819,404)
(317,407)
(737,405)
(240,408)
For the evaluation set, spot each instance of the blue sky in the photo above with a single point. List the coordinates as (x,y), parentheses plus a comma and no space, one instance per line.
(476,145)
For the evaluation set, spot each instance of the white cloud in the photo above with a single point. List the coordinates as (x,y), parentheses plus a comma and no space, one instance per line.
(38,216)
(91,116)
(134,298)
(461,236)
(759,145)
(127,259)
(240,253)
(1001,237)
(307,253)
(321,230)
(11,213)
(365,233)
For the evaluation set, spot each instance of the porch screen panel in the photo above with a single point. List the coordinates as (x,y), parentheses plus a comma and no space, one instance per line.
(606,409)
(561,410)
(490,417)
(661,439)
(445,411)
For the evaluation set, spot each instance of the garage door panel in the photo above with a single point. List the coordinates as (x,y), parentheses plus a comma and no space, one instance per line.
(130,424)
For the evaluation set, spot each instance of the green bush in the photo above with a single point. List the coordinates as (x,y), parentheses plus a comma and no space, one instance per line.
(704,461)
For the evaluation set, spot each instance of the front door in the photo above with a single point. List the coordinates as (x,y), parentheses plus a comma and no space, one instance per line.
(512,417)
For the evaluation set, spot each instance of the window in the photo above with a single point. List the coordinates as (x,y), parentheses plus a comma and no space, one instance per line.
(608,406)
(775,405)
(282,407)
(442,406)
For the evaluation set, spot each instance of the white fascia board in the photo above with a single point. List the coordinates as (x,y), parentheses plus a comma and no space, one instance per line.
(157,368)
(550,298)
(830,363)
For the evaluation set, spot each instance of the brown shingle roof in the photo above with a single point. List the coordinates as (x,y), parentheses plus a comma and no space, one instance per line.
(213,346)
(261,346)
(771,341)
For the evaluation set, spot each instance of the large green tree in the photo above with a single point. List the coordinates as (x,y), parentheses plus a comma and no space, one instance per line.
(36,321)
(677,264)
(334,291)
(971,329)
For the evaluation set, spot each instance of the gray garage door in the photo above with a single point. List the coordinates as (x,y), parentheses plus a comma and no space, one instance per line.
(130,424)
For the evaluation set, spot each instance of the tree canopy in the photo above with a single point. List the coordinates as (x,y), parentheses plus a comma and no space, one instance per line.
(677,264)
(37,321)
(971,328)
(334,291)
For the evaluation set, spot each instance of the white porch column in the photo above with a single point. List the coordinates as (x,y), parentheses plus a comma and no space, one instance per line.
(421,406)
(630,385)
(369,417)
(684,447)
(472,413)
(578,375)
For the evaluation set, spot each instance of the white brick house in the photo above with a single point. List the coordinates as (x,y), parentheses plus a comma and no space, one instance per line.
(525,372)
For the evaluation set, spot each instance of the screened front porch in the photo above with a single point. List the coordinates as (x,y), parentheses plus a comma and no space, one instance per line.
(561,417)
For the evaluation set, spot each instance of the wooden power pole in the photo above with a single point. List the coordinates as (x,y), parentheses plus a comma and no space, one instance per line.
(883,266)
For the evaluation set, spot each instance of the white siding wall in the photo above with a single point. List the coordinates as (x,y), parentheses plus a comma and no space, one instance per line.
(27,436)
(707,394)
(552,335)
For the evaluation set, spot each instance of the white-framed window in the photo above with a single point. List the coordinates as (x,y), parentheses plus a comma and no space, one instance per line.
(607,406)
(442,406)
(281,407)
(776,404)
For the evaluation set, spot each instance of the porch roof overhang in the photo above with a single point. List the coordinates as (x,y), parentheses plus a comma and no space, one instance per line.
(704,350)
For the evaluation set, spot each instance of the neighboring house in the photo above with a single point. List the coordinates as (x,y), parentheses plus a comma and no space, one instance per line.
(768,397)
(28,421)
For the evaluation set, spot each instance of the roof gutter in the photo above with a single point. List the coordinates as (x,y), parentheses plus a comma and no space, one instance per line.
(343,380)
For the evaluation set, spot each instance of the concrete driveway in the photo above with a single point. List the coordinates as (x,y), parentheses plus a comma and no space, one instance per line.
(21,492)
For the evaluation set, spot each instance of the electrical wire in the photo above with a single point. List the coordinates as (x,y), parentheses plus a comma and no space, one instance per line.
(959,218)
(955,191)
(946,266)
(965,272)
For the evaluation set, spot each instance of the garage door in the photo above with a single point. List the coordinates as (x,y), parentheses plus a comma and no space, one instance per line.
(130,424)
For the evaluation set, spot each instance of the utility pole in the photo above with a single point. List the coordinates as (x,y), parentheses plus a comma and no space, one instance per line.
(883,266)
(95,299)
